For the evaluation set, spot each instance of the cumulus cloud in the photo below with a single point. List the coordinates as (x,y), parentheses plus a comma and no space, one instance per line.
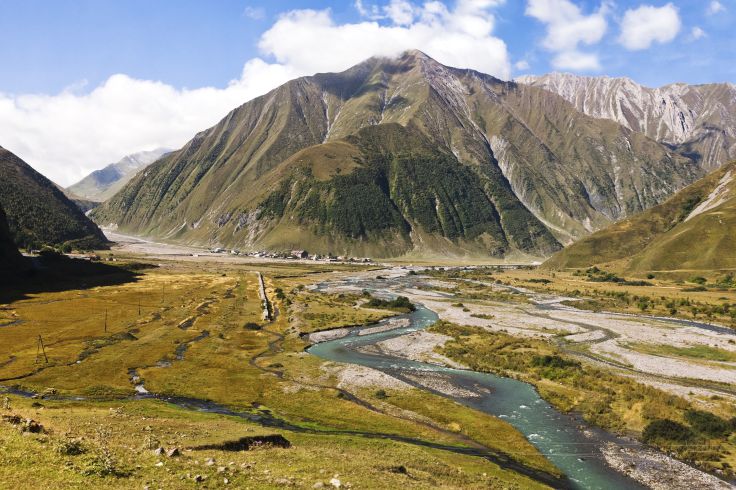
(645,25)
(697,33)
(521,65)
(67,135)
(714,7)
(567,29)
(310,40)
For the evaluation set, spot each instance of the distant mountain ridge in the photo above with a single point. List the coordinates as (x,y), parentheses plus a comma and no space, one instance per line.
(696,120)
(693,230)
(504,168)
(102,184)
(38,212)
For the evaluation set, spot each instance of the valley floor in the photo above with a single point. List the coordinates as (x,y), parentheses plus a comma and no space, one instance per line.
(179,357)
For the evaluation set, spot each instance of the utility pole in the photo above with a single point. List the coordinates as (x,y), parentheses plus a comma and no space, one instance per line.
(40,349)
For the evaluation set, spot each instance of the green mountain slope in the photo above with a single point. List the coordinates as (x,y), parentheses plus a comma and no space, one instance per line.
(9,256)
(38,212)
(693,230)
(463,162)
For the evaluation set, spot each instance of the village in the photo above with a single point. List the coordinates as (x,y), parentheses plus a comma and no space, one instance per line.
(293,255)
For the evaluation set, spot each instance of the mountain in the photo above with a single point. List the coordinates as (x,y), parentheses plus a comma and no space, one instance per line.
(102,184)
(400,156)
(697,120)
(10,258)
(38,212)
(693,230)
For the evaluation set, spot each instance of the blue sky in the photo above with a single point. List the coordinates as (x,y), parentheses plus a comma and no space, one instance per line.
(84,82)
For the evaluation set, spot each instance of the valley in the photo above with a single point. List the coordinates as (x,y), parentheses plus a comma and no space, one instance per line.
(378,269)
(179,355)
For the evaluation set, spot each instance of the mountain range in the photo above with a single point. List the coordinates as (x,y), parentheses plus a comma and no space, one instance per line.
(38,212)
(401,156)
(691,231)
(698,121)
(102,184)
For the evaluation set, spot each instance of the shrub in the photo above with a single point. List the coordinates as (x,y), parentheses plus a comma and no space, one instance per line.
(554,362)
(707,424)
(666,430)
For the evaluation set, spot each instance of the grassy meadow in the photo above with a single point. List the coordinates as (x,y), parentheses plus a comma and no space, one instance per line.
(188,329)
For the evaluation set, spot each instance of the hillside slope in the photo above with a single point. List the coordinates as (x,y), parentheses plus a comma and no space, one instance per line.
(102,184)
(697,120)
(693,230)
(38,212)
(547,173)
(9,256)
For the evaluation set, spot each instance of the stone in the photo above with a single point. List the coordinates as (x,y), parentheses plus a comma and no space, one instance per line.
(209,462)
(159,451)
(173,452)
(335,483)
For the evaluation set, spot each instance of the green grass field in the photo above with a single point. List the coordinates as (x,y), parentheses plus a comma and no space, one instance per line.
(191,332)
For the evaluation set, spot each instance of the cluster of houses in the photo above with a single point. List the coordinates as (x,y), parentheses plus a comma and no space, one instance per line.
(293,255)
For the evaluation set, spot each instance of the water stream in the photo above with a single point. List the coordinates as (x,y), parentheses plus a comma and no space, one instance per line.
(558,436)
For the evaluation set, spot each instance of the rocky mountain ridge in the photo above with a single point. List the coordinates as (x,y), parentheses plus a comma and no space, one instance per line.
(539,171)
(696,120)
(102,184)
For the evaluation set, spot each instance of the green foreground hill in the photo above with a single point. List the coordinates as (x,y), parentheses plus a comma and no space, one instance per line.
(694,230)
(38,212)
(400,156)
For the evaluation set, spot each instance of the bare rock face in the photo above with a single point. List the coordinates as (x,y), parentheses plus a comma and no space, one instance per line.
(697,120)
(104,183)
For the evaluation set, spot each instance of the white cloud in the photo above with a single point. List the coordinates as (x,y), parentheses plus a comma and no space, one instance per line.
(576,61)
(714,7)
(697,33)
(567,28)
(400,12)
(255,13)
(521,65)
(646,24)
(67,135)
(309,40)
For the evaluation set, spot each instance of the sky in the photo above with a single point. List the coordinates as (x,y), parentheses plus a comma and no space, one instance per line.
(85,82)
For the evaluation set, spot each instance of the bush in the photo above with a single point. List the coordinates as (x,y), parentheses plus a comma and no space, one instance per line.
(666,430)
(554,362)
(400,303)
(707,424)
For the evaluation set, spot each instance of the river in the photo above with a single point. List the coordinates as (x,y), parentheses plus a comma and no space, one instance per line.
(560,437)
